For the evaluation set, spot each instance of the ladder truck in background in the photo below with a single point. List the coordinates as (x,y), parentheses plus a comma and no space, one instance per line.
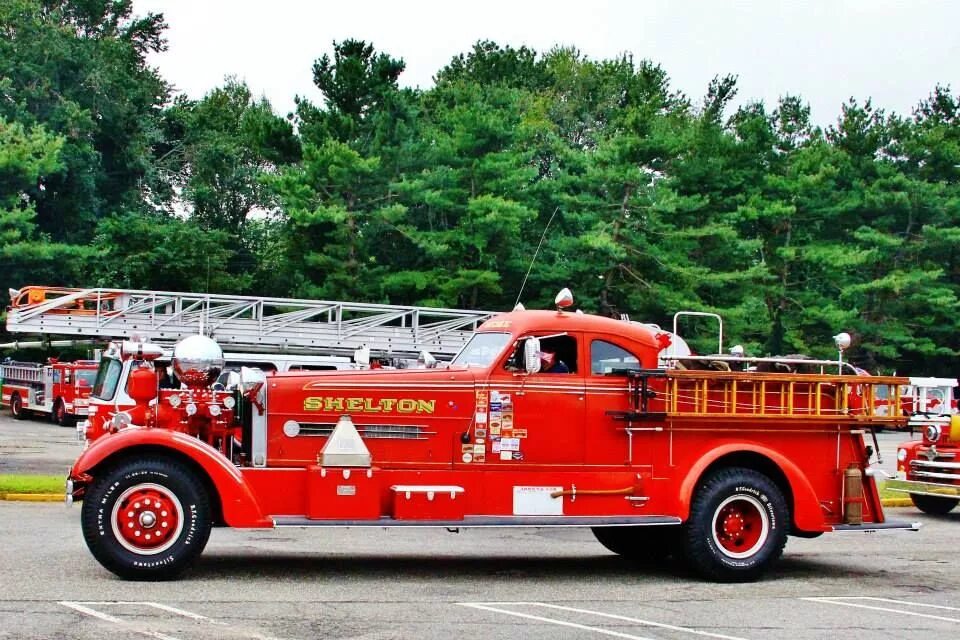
(58,389)
(243,323)
(272,334)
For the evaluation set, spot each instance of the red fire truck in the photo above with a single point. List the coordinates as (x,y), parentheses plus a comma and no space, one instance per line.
(544,419)
(929,469)
(60,389)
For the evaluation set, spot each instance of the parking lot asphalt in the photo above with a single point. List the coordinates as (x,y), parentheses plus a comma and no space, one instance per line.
(35,445)
(508,583)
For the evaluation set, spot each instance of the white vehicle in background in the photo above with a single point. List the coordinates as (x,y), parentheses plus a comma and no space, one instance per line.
(929,401)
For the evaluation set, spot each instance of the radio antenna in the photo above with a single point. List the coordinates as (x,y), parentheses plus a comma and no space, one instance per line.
(535,254)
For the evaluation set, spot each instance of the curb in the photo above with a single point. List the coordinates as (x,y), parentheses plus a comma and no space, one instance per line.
(32,497)
(896,502)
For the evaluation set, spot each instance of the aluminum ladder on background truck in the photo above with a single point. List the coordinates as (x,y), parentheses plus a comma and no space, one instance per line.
(250,323)
(24,372)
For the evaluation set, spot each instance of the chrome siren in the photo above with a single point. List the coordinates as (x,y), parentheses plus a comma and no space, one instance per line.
(197,361)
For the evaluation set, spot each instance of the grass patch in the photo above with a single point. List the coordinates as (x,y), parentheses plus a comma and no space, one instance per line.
(31,484)
(886,494)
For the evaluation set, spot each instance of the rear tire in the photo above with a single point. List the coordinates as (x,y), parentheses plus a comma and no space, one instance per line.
(146,519)
(647,546)
(737,527)
(16,407)
(934,505)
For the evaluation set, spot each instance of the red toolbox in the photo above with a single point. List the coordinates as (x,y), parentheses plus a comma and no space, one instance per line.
(427,502)
(341,493)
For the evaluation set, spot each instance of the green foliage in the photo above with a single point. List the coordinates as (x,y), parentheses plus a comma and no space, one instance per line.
(27,158)
(79,69)
(167,254)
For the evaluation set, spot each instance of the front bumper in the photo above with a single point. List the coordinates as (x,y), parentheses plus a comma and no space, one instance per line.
(924,488)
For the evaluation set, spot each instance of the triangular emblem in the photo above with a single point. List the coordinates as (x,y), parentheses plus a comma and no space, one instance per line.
(345,447)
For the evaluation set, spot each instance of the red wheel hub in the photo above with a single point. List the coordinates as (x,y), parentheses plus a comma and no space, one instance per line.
(147,518)
(739,526)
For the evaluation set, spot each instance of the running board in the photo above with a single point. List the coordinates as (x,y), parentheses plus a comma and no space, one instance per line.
(486,521)
(880,526)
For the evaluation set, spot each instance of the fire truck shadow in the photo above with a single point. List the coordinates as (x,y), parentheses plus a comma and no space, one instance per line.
(423,566)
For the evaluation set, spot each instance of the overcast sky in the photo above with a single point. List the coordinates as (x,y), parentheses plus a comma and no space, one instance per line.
(822,50)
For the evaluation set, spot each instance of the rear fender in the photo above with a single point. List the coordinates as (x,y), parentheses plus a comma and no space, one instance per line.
(807,515)
(238,504)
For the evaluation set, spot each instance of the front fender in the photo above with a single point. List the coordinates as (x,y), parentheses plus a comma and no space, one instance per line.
(239,506)
(807,515)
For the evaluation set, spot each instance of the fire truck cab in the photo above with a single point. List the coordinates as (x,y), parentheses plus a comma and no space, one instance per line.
(545,418)
(59,389)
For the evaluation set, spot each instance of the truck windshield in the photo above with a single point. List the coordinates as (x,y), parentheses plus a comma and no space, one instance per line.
(86,377)
(482,349)
(108,375)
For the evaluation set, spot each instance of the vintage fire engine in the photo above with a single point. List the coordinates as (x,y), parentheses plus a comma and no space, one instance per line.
(716,466)
(60,389)
(929,469)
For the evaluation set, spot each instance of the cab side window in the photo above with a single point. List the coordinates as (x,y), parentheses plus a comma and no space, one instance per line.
(558,354)
(607,359)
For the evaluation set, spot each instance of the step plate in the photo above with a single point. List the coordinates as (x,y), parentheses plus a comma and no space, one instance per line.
(486,521)
(880,526)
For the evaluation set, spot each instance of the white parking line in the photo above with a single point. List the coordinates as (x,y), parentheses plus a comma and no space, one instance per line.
(85,607)
(912,604)
(489,606)
(838,600)
(77,606)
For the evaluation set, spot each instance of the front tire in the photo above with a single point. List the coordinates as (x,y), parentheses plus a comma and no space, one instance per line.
(934,505)
(737,527)
(59,414)
(146,519)
(16,407)
(648,546)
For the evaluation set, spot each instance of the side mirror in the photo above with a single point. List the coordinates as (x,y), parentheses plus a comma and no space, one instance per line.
(531,355)
(428,360)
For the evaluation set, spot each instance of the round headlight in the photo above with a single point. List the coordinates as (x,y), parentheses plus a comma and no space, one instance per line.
(932,432)
(191,409)
(901,454)
(214,410)
(175,401)
(229,402)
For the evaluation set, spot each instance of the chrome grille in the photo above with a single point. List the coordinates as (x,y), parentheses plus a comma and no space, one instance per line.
(372,431)
(940,468)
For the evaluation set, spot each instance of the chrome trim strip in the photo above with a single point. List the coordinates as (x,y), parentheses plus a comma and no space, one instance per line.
(939,476)
(935,463)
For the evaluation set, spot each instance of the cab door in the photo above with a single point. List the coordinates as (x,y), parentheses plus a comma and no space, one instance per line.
(536,419)
(608,441)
